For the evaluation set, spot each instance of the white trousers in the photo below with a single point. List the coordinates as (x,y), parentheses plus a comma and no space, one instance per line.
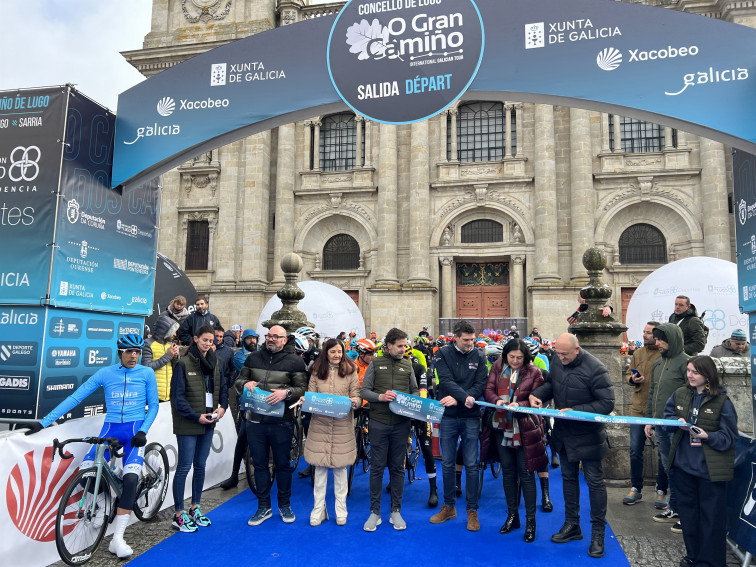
(339,489)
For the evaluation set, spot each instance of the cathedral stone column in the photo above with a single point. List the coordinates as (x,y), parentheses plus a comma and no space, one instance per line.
(419,273)
(716,220)
(517,287)
(545,196)
(386,208)
(447,287)
(581,190)
(253,238)
(286,175)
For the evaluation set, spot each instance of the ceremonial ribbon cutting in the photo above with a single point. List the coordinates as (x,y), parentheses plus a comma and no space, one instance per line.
(588,416)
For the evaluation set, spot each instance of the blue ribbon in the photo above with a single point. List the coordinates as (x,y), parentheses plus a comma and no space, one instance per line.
(588,416)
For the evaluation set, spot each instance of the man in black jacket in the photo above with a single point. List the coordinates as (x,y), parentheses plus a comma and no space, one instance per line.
(200,317)
(578,381)
(274,368)
(686,317)
(462,374)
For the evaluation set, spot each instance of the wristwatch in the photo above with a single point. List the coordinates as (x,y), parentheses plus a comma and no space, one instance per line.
(288,394)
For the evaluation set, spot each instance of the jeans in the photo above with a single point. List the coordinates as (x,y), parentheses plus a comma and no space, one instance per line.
(388,443)
(665,477)
(193,450)
(262,438)
(637,443)
(594,478)
(514,469)
(450,430)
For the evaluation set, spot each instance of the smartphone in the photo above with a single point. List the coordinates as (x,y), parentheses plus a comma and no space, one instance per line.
(634,371)
(696,430)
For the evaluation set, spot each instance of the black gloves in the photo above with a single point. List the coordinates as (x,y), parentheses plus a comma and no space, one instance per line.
(33,427)
(139,440)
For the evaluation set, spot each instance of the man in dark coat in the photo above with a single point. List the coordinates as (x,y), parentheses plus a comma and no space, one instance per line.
(579,381)
(200,317)
(686,317)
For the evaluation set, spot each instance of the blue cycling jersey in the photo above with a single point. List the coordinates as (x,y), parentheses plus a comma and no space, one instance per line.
(127,391)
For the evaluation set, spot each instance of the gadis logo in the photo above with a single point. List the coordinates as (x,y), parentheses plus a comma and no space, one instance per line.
(35,487)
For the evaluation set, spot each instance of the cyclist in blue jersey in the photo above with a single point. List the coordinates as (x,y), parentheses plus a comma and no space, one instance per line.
(129,387)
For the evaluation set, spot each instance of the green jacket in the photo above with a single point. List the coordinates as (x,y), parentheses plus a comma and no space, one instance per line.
(669,372)
(384,374)
(195,395)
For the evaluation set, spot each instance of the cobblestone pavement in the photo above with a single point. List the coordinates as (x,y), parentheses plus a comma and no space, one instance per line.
(645,542)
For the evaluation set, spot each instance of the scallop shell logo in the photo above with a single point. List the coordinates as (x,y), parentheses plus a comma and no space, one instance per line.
(609,59)
(166,106)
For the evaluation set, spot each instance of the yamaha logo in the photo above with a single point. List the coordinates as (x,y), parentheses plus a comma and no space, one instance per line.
(166,106)
(33,492)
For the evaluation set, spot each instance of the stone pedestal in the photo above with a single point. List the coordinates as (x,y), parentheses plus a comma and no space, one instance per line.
(289,316)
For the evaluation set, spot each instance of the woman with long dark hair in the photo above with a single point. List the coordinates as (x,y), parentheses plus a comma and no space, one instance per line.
(199,398)
(519,437)
(330,441)
(703,456)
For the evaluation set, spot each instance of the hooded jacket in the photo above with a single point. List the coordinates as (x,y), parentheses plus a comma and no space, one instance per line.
(669,372)
(694,337)
(156,356)
(241,355)
(643,361)
(725,350)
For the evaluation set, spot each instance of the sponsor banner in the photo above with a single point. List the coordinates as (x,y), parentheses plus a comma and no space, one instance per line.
(76,345)
(399,61)
(106,239)
(752,340)
(744,201)
(327,404)
(32,483)
(741,496)
(416,407)
(588,416)
(31,127)
(255,401)
(21,346)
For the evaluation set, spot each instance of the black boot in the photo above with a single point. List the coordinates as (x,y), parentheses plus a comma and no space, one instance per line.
(554,460)
(529,536)
(306,473)
(568,532)
(545,500)
(230,482)
(512,523)
(597,545)
(459,483)
(433,497)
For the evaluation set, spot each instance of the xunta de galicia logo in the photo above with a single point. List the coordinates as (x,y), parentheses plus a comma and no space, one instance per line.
(401,61)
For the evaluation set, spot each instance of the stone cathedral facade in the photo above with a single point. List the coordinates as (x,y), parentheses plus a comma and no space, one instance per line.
(484,210)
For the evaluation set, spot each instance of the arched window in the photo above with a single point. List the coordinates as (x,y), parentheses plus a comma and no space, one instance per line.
(638,136)
(642,244)
(481,133)
(341,252)
(482,231)
(338,142)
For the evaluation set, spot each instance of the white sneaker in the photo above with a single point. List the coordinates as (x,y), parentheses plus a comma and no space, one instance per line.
(397,520)
(120,548)
(372,522)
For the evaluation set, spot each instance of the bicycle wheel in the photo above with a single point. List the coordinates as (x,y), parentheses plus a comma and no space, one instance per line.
(365,453)
(350,478)
(481,470)
(82,517)
(249,471)
(153,485)
(413,453)
(297,445)
(496,469)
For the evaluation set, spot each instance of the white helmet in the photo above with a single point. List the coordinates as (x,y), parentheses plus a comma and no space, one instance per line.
(301,344)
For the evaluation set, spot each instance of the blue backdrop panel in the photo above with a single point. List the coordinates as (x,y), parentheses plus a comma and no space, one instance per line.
(21,345)
(31,127)
(741,496)
(744,202)
(105,239)
(614,56)
(76,344)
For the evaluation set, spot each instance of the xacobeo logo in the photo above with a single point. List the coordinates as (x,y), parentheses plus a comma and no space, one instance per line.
(166,106)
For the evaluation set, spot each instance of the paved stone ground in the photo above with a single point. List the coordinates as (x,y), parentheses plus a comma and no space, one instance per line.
(645,542)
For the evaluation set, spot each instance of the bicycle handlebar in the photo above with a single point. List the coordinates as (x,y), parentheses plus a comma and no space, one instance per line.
(112,442)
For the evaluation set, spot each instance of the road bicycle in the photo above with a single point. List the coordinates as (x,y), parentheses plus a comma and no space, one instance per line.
(412,454)
(363,446)
(91,497)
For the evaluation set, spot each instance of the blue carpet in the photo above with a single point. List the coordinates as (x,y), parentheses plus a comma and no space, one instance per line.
(231,541)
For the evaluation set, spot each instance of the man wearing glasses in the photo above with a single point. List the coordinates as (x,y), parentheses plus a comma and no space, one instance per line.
(276,369)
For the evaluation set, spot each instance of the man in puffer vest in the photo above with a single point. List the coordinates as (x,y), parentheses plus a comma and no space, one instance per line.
(160,353)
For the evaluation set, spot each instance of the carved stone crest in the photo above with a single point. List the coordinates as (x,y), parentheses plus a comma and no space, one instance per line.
(208,10)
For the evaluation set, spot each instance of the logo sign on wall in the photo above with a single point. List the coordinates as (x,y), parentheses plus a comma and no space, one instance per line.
(31,126)
(404,60)
(744,197)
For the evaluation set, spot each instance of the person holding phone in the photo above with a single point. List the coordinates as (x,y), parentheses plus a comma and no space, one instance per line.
(199,398)
(703,458)
(639,378)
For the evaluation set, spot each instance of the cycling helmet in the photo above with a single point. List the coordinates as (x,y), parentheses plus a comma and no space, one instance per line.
(366,346)
(306,332)
(481,344)
(352,334)
(440,341)
(301,344)
(494,350)
(623,348)
(638,344)
(532,345)
(424,341)
(130,340)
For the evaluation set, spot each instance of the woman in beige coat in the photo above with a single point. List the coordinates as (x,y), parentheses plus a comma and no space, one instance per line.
(330,441)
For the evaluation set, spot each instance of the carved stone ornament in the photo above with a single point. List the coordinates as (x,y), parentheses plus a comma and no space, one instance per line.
(446,236)
(516,233)
(209,10)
